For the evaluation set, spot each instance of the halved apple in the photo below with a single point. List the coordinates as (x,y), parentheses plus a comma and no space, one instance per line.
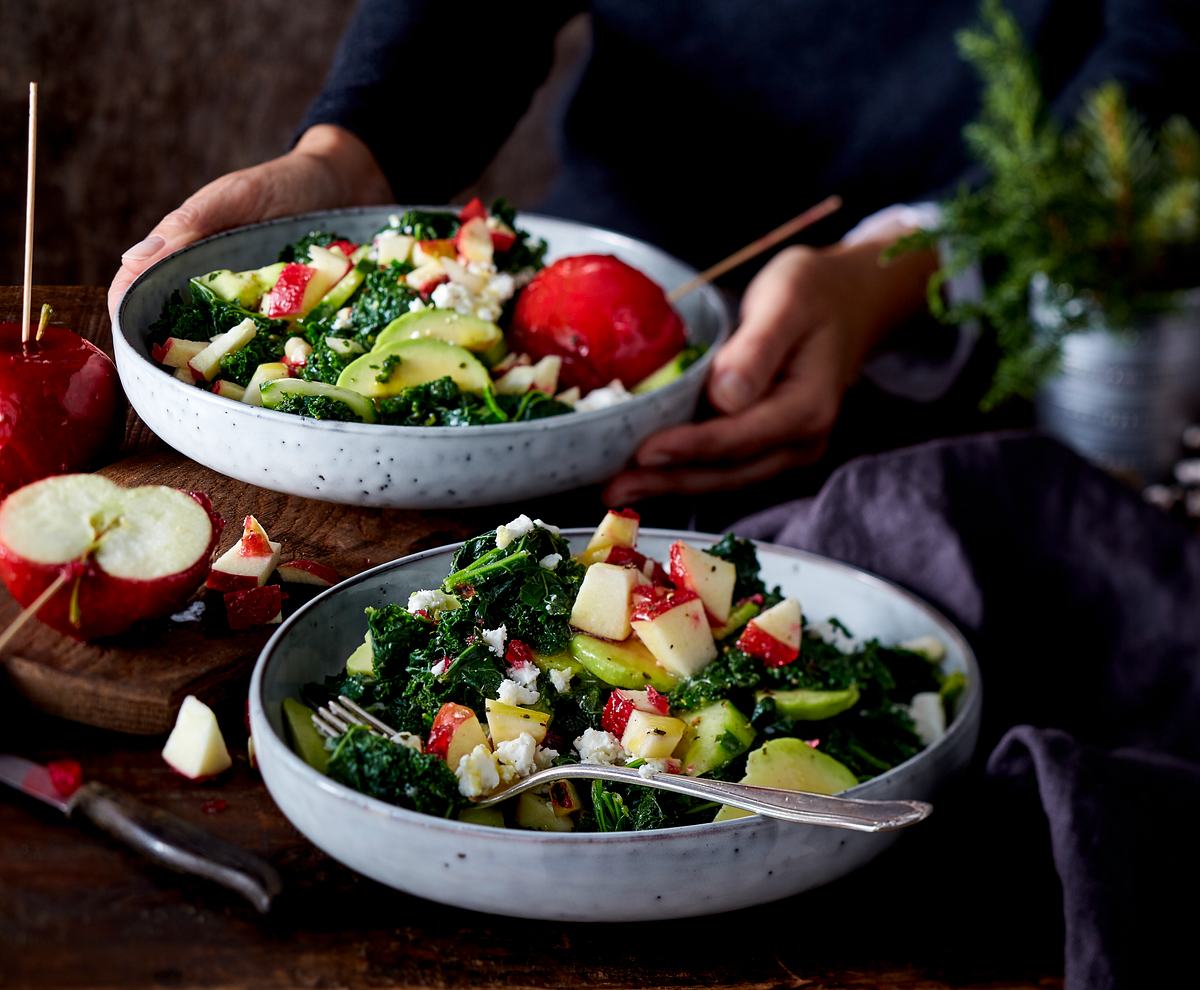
(129,553)
(195,748)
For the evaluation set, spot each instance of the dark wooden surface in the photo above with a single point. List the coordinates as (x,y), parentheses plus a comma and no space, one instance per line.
(77,911)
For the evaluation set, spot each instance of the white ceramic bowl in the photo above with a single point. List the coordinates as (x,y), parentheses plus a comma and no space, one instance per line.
(399,466)
(625,876)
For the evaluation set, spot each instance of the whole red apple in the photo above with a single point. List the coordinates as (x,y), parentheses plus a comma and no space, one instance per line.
(604,318)
(58,397)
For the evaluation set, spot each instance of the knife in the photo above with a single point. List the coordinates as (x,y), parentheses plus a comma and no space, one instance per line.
(157,834)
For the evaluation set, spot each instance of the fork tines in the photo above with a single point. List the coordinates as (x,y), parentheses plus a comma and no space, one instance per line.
(336,718)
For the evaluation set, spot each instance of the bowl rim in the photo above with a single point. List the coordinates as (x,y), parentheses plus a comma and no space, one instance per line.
(123,346)
(965,715)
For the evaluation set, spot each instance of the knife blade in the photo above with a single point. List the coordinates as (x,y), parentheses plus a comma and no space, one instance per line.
(156,834)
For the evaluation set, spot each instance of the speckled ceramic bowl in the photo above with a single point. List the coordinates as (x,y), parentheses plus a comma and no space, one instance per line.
(399,466)
(628,876)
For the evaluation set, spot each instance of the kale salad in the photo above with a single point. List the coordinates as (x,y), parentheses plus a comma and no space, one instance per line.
(526,657)
(414,327)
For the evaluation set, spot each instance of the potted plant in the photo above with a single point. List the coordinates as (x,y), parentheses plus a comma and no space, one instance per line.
(1087,237)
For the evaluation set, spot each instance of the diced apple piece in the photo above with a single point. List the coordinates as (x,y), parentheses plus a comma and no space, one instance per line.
(618,528)
(195,748)
(564,799)
(185,375)
(268,372)
(570,396)
(424,252)
(516,381)
(650,736)
(246,564)
(774,636)
(427,277)
(602,607)
(520,379)
(622,703)
(503,236)
(473,209)
(710,577)
(472,282)
(176,353)
(296,351)
(393,246)
(545,373)
(308,572)
(344,248)
(362,660)
(254,607)
(537,814)
(474,241)
(506,722)
(930,647)
(300,287)
(228,390)
(674,628)
(207,363)
(455,732)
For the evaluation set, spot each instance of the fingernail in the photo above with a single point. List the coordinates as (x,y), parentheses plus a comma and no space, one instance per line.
(731,391)
(144,249)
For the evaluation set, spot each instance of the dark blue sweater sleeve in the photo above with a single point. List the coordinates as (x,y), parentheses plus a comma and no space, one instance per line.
(434,88)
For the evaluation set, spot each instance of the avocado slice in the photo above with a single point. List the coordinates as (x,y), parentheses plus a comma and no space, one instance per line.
(742,613)
(807,705)
(416,362)
(242,288)
(470,332)
(627,664)
(715,734)
(492,817)
(792,765)
(305,739)
(273,392)
(362,660)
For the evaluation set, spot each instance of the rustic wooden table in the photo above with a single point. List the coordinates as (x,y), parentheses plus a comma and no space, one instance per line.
(77,911)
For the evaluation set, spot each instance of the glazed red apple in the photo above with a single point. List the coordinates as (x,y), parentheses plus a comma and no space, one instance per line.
(58,398)
(128,553)
(605,319)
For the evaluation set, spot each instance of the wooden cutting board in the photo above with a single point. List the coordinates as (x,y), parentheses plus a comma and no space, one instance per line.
(135,682)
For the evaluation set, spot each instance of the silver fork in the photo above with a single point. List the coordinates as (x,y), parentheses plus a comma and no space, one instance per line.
(857,814)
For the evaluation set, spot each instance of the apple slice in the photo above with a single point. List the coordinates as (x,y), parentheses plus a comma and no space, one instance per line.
(344,248)
(627,557)
(474,241)
(254,607)
(128,553)
(507,722)
(308,572)
(207,363)
(473,209)
(195,748)
(296,351)
(246,564)
(602,606)
(623,703)
(774,635)
(503,236)
(674,628)
(269,371)
(455,733)
(427,277)
(618,528)
(185,375)
(300,287)
(228,390)
(424,252)
(710,577)
(176,353)
(651,736)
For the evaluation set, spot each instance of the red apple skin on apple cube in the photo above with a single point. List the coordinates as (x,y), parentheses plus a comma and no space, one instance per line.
(622,703)
(308,572)
(774,635)
(771,651)
(286,298)
(712,578)
(473,209)
(58,403)
(455,733)
(254,606)
(108,604)
(345,247)
(603,317)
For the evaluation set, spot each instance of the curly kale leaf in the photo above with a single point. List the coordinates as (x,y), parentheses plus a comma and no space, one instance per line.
(469,679)
(317,407)
(382,298)
(427,225)
(298,250)
(530,405)
(396,774)
(264,346)
(732,671)
(324,364)
(396,634)
(186,319)
(744,557)
(437,403)
(609,811)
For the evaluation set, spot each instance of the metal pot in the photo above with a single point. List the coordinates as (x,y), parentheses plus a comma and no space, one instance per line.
(1121,397)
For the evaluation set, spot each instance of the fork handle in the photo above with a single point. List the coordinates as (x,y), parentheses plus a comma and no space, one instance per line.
(176,844)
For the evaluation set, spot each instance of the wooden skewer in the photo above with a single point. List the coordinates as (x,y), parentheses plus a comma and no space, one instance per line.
(27,299)
(764,243)
(31,609)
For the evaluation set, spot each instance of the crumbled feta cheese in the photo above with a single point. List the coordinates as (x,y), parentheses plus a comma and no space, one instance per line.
(342,320)
(653,766)
(393,219)
(545,757)
(409,739)
(416,305)
(928,715)
(552,530)
(477,773)
(598,746)
(516,758)
(525,674)
(451,295)
(434,602)
(512,693)
(481,268)
(561,679)
(439,668)
(601,398)
(506,534)
(550,561)
(495,639)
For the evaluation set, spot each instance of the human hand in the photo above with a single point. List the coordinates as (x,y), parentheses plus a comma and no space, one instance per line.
(808,321)
(328,167)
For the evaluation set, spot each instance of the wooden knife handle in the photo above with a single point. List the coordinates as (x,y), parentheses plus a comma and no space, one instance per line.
(176,844)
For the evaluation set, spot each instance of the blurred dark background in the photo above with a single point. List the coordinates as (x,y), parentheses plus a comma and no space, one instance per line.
(144,101)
